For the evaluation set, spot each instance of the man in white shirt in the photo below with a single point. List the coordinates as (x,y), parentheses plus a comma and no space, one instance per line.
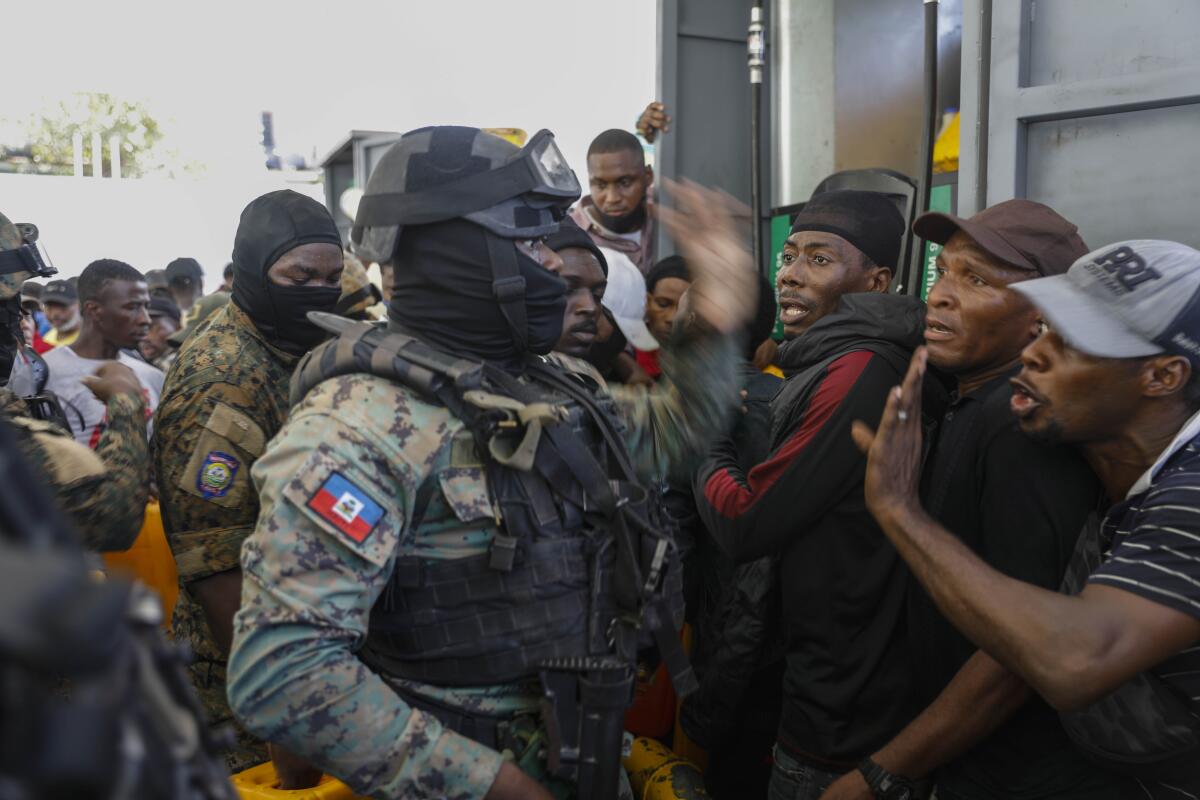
(114,303)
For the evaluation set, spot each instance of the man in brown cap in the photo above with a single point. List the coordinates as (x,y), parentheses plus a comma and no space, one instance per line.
(1019,504)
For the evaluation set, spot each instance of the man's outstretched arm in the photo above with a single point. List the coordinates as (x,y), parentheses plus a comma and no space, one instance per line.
(1071,650)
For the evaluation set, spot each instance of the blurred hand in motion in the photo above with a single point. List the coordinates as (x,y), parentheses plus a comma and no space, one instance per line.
(111,379)
(653,120)
(724,290)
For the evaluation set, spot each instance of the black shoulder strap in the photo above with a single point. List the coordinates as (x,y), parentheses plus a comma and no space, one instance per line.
(363,347)
(509,288)
(578,392)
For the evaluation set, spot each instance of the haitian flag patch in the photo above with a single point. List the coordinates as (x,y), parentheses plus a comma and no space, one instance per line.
(216,474)
(347,507)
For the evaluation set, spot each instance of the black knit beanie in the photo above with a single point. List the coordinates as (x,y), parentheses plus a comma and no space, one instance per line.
(570,234)
(868,220)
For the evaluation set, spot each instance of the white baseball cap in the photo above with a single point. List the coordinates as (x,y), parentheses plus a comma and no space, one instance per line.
(625,297)
(1129,299)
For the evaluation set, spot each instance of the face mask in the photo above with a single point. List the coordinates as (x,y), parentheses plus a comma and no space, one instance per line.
(294,333)
(270,226)
(443,292)
(545,304)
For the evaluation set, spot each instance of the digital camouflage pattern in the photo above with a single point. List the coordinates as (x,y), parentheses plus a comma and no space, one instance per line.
(104,490)
(316,564)
(224,397)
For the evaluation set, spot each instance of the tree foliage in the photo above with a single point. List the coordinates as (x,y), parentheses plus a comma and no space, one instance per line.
(50,135)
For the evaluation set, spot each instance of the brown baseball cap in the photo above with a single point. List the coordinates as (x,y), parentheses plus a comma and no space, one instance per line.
(1022,233)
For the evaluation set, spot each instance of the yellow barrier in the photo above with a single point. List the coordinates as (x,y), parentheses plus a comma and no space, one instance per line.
(655,773)
(516,136)
(150,561)
(261,783)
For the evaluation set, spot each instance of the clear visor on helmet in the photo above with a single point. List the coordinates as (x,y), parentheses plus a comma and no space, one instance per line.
(30,257)
(552,174)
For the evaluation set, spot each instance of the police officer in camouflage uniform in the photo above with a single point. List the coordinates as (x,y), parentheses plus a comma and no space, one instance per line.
(104,490)
(419,577)
(225,396)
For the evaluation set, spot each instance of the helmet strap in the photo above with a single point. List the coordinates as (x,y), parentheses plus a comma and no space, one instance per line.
(16,260)
(508,286)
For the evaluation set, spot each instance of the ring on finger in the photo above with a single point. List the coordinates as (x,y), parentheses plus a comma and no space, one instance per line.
(902,415)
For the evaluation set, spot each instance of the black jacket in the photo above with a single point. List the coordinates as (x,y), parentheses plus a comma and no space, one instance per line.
(847,685)
(733,610)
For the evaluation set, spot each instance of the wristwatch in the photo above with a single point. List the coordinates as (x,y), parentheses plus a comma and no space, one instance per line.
(884,784)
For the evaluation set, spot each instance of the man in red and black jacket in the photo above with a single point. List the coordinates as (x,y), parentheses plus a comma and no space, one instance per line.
(848,676)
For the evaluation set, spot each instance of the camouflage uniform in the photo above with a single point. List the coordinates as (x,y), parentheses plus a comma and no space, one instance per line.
(103,491)
(224,398)
(309,584)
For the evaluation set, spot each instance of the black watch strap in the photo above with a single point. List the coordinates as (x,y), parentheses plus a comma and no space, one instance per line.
(883,784)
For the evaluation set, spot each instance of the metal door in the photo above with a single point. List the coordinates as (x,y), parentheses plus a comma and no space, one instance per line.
(704,82)
(1089,106)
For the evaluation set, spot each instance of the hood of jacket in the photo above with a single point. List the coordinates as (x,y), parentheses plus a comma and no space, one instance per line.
(882,323)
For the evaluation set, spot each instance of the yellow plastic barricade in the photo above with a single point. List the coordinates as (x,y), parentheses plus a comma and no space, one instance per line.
(655,773)
(261,783)
(150,561)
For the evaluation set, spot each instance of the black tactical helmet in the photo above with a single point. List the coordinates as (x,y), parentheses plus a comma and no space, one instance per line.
(442,173)
(21,257)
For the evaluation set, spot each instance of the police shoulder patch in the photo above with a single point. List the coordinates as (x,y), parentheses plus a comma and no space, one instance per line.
(216,474)
(347,507)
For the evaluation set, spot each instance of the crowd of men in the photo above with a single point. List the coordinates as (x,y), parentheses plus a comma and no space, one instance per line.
(948,546)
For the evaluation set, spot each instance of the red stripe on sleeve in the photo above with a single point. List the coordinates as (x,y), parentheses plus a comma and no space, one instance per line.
(730,498)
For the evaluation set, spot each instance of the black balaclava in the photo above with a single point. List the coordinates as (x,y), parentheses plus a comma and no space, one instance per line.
(443,292)
(271,226)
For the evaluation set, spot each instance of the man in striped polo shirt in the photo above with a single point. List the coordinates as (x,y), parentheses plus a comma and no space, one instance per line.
(1115,374)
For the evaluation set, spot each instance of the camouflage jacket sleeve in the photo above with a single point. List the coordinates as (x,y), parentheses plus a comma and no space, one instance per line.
(206,440)
(104,492)
(668,427)
(310,579)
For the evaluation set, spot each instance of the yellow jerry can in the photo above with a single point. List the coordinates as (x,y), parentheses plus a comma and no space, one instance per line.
(149,560)
(656,773)
(261,783)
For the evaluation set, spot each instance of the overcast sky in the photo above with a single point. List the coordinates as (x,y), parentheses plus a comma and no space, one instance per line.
(208,69)
(574,66)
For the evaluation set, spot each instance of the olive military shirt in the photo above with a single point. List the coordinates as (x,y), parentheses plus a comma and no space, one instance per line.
(225,396)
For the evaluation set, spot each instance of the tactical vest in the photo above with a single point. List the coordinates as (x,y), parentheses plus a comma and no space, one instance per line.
(579,568)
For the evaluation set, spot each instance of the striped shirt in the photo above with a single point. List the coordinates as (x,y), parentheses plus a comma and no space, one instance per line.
(1154,549)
